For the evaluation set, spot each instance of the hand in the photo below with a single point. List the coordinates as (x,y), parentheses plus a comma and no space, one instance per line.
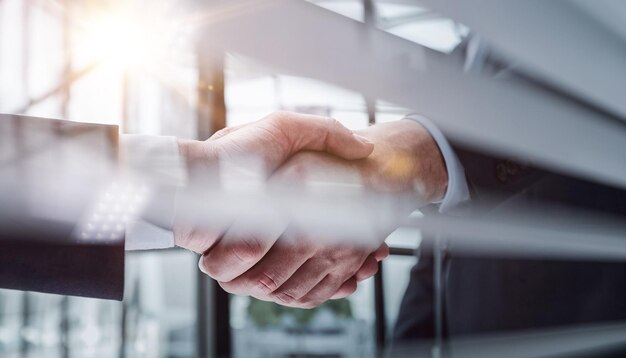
(274,139)
(292,268)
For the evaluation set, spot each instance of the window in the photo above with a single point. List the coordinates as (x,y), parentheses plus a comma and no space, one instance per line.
(48,68)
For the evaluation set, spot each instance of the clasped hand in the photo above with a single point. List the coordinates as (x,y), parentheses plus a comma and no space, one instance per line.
(285,264)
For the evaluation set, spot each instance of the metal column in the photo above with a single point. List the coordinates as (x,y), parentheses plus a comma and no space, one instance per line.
(213,322)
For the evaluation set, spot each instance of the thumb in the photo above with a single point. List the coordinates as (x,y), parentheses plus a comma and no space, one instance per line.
(310,132)
(281,135)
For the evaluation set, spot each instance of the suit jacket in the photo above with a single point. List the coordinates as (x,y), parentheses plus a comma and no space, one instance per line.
(498,294)
(50,171)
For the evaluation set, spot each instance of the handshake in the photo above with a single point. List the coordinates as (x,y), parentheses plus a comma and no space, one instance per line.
(287,263)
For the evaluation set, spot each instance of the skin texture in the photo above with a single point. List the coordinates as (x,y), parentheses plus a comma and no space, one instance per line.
(289,267)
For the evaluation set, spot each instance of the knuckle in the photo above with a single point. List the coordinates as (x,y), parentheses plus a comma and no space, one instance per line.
(247,250)
(198,241)
(206,265)
(279,117)
(284,298)
(308,305)
(327,257)
(352,270)
(266,282)
(335,125)
(222,132)
(332,122)
(312,301)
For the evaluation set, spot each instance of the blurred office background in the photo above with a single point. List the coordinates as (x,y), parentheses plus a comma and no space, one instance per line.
(141,64)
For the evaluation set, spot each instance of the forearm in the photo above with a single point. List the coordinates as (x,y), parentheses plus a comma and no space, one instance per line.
(51,174)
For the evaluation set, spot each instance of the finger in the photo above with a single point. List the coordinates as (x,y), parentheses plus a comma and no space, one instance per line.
(308,132)
(195,239)
(324,290)
(382,252)
(368,269)
(225,131)
(301,282)
(274,269)
(346,289)
(241,247)
(284,134)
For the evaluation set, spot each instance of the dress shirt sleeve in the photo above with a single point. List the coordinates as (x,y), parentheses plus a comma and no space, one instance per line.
(458,190)
(157,161)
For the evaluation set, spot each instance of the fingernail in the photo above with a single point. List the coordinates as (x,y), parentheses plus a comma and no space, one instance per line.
(362,139)
(201,265)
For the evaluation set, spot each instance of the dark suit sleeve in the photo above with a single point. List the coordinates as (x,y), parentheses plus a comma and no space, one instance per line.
(39,247)
(29,263)
(492,179)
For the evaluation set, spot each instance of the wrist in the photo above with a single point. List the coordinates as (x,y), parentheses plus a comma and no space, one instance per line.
(406,157)
(197,155)
(187,149)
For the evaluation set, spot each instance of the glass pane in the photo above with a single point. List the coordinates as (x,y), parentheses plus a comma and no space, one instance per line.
(341,328)
(396,275)
(337,328)
(158,315)
(253,91)
(420,25)
(349,8)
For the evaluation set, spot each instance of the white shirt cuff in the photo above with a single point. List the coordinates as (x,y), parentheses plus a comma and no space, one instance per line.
(156,162)
(458,191)
(155,159)
(143,235)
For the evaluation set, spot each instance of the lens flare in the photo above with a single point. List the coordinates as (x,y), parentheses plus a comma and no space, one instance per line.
(126,39)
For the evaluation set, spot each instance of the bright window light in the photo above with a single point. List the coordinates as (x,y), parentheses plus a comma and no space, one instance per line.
(126,39)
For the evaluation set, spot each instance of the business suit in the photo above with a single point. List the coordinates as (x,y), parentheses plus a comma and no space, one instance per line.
(498,294)
(40,251)
(487,294)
